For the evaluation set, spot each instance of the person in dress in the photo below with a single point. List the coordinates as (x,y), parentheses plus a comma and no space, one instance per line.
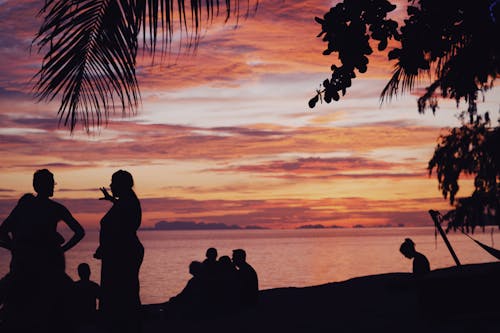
(121,254)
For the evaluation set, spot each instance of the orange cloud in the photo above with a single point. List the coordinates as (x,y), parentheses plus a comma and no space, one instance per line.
(284,213)
(225,134)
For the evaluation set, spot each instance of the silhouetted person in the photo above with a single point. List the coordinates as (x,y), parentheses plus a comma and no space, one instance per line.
(86,295)
(211,255)
(420,263)
(210,276)
(210,262)
(247,283)
(121,255)
(227,283)
(191,300)
(38,287)
(4,287)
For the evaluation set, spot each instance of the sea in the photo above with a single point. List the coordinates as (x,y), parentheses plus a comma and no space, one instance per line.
(282,258)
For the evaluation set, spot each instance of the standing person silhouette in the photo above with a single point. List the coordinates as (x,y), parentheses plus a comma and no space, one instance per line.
(121,255)
(421,265)
(38,286)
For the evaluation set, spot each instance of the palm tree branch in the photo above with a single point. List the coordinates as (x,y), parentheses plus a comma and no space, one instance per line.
(91,46)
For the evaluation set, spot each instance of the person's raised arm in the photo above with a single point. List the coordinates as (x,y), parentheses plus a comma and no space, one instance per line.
(106,195)
(75,226)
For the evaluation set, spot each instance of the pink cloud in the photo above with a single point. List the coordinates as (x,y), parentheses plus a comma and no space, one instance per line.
(329,168)
(285,213)
(148,142)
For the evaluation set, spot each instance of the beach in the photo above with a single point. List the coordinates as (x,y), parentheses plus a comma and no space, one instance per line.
(455,299)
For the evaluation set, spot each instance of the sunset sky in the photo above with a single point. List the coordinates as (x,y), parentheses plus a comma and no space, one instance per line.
(225,135)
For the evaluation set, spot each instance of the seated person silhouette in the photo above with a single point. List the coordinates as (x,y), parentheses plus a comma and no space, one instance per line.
(210,262)
(210,276)
(247,283)
(227,283)
(421,265)
(190,301)
(86,296)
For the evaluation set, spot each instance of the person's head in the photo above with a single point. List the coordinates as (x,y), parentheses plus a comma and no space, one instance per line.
(121,183)
(84,271)
(43,183)
(408,248)
(225,262)
(195,268)
(211,254)
(239,256)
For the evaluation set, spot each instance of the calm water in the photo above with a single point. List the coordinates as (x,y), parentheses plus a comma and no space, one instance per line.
(282,258)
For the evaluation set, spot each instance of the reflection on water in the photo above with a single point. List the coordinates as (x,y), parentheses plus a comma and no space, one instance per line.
(282,258)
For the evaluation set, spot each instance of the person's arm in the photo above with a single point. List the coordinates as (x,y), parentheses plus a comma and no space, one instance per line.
(5,240)
(6,228)
(75,226)
(106,195)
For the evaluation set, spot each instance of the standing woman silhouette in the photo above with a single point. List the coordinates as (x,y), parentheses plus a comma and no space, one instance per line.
(121,255)
(38,287)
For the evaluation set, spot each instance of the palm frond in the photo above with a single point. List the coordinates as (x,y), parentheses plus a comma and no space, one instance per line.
(91,47)
(90,60)
(399,77)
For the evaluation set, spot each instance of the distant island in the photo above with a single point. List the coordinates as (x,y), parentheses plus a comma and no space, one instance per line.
(191,225)
(319,226)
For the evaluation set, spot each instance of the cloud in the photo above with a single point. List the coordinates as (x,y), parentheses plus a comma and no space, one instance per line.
(327,168)
(149,142)
(283,213)
(227,132)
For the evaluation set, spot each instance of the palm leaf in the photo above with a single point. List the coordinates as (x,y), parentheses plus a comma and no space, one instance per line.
(401,81)
(90,60)
(91,46)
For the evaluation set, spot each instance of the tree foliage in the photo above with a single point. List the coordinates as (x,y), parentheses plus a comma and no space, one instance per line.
(90,49)
(451,42)
(471,149)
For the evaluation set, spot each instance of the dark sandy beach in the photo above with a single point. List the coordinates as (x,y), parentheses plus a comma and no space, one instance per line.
(465,299)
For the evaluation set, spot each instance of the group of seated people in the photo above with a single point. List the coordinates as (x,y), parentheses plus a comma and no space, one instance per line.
(223,284)
(217,284)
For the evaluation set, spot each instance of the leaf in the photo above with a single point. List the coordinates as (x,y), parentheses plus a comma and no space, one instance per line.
(90,49)
(313,101)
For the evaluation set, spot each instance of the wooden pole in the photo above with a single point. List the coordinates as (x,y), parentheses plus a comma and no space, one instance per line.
(435,217)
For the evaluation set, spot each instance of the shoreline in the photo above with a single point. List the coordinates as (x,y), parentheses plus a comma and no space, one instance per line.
(453,299)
